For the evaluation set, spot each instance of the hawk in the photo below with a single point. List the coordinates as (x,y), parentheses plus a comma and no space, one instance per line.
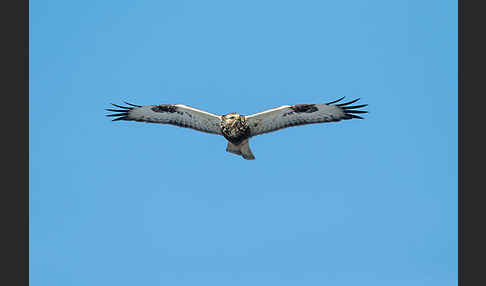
(236,128)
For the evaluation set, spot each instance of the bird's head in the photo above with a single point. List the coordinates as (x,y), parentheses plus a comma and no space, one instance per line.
(231,118)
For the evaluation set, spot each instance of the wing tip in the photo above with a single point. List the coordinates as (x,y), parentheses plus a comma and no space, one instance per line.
(122,112)
(350,110)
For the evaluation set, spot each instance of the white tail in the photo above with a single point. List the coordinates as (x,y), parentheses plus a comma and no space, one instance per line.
(242,149)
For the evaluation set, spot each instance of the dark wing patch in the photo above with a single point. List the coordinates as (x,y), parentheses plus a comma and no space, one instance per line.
(300,108)
(307,108)
(164,108)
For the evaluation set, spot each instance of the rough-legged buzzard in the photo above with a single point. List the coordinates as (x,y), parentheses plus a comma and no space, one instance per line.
(236,128)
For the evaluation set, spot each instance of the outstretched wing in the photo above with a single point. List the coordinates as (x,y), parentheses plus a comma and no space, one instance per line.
(300,114)
(175,114)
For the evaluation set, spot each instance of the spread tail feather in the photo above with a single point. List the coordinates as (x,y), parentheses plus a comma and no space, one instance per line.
(242,149)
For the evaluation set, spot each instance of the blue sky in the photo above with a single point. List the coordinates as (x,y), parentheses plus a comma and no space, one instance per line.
(359,202)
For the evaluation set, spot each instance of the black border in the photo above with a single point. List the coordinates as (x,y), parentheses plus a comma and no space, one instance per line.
(471,52)
(14,197)
(14,210)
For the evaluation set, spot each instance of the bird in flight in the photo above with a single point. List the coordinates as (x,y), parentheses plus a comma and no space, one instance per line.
(237,128)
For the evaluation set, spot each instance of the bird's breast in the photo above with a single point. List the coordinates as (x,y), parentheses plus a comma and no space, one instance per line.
(236,132)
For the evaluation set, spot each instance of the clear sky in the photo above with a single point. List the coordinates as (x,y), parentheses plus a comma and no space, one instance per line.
(357,202)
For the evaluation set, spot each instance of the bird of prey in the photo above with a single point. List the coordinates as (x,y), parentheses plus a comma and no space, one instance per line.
(236,128)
